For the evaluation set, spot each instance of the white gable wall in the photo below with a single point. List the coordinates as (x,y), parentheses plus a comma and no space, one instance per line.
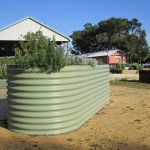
(14,32)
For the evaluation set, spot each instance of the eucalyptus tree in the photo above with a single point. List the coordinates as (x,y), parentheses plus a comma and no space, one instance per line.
(85,40)
(114,33)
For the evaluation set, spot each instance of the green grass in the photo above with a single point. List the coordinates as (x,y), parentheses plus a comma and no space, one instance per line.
(133,84)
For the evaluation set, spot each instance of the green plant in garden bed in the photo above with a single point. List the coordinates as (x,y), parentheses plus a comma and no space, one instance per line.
(36,51)
(39,52)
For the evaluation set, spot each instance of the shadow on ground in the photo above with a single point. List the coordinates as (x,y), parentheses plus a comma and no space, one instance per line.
(107,144)
(3,124)
(33,143)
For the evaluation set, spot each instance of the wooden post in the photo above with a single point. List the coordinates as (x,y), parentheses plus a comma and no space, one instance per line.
(107,58)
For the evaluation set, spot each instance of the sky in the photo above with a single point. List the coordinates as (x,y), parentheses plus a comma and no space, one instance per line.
(67,16)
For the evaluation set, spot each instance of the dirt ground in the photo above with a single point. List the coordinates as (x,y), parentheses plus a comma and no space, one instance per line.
(2,93)
(123,124)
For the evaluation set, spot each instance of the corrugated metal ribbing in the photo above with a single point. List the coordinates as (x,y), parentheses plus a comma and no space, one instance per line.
(55,103)
(3,109)
(3,83)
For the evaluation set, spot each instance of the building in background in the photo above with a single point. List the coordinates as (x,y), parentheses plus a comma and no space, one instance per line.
(12,34)
(107,57)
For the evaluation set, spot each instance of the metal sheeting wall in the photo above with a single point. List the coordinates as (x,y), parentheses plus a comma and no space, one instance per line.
(3,109)
(3,83)
(55,103)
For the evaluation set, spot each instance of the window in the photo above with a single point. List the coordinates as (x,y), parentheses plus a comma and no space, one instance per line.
(118,59)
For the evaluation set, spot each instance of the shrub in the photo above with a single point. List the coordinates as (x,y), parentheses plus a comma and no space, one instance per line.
(7,60)
(121,67)
(3,71)
(39,52)
(118,68)
(36,51)
(136,67)
(4,61)
(73,60)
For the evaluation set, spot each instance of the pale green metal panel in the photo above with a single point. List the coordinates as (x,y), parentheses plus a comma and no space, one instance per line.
(55,103)
(3,83)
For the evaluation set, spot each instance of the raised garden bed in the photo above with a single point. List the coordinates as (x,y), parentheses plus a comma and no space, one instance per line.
(40,103)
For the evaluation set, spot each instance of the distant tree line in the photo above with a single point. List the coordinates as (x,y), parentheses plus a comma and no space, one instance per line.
(114,33)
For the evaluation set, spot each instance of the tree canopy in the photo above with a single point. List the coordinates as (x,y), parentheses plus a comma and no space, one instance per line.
(113,33)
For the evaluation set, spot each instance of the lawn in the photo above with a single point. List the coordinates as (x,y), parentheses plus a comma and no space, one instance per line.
(129,83)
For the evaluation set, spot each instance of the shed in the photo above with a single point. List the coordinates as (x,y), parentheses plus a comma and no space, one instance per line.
(12,34)
(107,57)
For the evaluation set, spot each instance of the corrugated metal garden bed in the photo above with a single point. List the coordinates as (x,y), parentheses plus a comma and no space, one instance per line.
(40,103)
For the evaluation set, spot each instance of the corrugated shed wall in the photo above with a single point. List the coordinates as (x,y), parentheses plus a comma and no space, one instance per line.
(55,103)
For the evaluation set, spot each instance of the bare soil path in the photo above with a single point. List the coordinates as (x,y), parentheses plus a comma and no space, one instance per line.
(123,124)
